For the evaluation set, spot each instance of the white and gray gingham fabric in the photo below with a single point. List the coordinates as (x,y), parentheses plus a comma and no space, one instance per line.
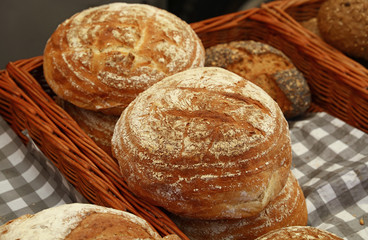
(28,181)
(330,160)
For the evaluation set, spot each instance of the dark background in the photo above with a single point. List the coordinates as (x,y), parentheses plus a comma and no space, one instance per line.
(25,25)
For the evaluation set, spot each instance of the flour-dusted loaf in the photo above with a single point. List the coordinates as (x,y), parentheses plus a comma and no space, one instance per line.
(344,25)
(287,209)
(299,233)
(268,68)
(102,57)
(204,143)
(78,221)
(97,125)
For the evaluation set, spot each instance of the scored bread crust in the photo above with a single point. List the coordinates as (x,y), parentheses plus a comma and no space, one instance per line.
(204,143)
(299,233)
(102,57)
(64,221)
(287,209)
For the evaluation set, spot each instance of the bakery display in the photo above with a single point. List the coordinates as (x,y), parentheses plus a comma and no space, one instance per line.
(299,233)
(79,221)
(287,209)
(343,24)
(101,58)
(98,126)
(268,68)
(204,143)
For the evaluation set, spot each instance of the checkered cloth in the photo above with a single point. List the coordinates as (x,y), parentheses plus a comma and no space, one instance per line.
(28,181)
(330,160)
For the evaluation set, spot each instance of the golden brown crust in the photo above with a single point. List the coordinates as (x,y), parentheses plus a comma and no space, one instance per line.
(343,24)
(97,125)
(268,68)
(299,233)
(79,221)
(101,58)
(287,209)
(204,143)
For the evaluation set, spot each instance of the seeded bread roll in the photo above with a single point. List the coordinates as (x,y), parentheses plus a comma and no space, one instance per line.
(344,25)
(204,143)
(287,209)
(268,68)
(97,125)
(101,58)
(299,233)
(79,221)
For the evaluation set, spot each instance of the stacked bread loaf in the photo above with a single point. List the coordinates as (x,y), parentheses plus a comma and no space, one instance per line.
(299,233)
(213,149)
(101,58)
(79,221)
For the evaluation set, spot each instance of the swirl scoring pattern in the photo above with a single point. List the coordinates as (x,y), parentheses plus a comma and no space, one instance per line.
(102,57)
(204,142)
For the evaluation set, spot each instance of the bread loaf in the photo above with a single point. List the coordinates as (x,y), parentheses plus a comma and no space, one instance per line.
(268,68)
(79,221)
(102,57)
(344,25)
(204,143)
(97,125)
(299,233)
(287,209)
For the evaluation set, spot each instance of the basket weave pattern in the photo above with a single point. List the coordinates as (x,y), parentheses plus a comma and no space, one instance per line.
(338,85)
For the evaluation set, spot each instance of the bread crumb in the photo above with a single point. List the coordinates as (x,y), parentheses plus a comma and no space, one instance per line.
(361,221)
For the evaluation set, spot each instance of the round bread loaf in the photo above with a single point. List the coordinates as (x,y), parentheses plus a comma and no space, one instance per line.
(299,233)
(79,221)
(101,58)
(344,25)
(287,209)
(204,143)
(268,68)
(97,125)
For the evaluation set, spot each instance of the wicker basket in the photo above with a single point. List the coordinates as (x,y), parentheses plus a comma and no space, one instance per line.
(340,85)
(26,102)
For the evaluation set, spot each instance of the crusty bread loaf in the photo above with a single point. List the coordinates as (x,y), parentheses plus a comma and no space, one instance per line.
(101,58)
(204,143)
(98,126)
(343,24)
(268,68)
(287,209)
(79,221)
(299,233)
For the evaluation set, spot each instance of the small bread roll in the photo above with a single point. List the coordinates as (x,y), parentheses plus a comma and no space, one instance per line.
(299,233)
(287,209)
(204,143)
(102,57)
(97,125)
(79,221)
(344,25)
(268,68)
